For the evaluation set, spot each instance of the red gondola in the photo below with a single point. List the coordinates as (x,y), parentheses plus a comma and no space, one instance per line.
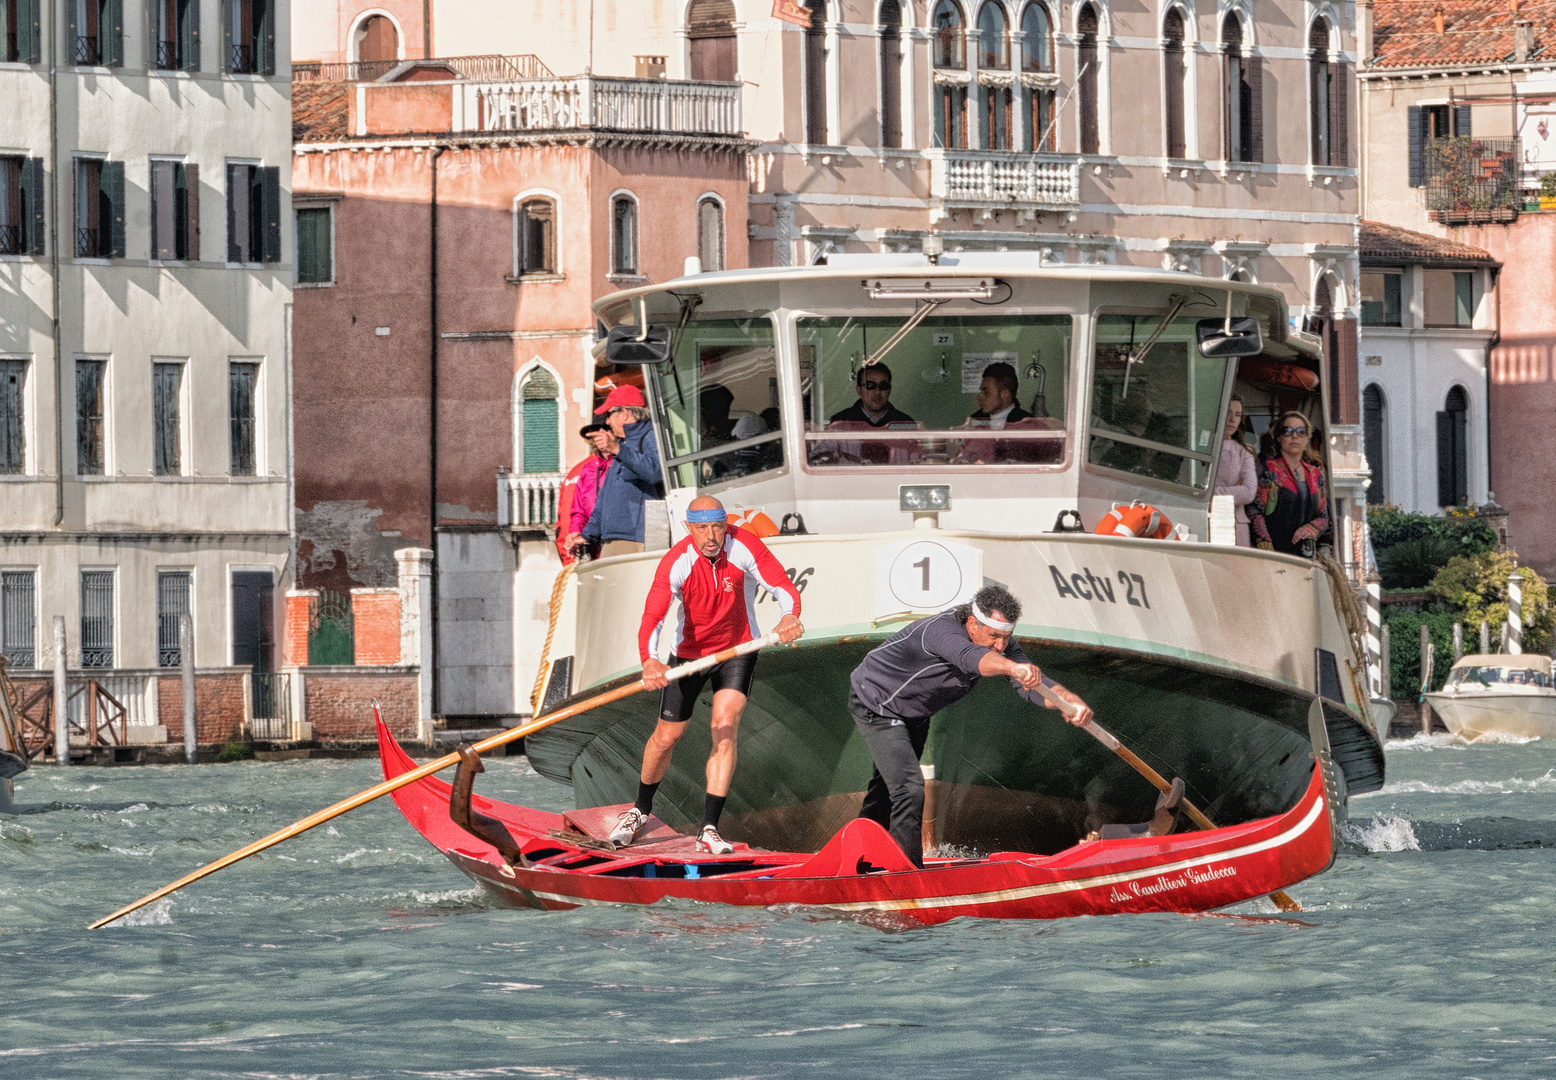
(567,863)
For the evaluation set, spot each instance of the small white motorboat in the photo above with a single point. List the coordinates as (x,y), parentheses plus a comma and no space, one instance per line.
(1498,694)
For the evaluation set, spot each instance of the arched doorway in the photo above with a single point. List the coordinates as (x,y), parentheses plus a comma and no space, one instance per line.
(1374,431)
(376,40)
(711,26)
(1453,449)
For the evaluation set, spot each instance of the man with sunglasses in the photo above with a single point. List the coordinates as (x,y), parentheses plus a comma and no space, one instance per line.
(1291,510)
(874,407)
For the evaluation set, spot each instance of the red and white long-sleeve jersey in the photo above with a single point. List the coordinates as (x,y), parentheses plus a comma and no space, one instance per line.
(718,596)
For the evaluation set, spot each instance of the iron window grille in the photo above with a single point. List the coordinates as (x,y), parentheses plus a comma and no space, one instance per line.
(242,380)
(167,381)
(173,592)
(19,618)
(13,429)
(89,417)
(97,618)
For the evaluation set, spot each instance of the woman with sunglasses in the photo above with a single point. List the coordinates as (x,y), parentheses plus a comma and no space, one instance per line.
(1290,511)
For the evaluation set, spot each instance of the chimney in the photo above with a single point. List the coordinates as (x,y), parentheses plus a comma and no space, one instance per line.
(1364,31)
(1439,18)
(1523,40)
(1512,5)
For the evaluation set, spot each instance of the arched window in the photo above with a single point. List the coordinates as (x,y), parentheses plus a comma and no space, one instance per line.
(995,107)
(815,74)
(1086,78)
(540,449)
(1453,450)
(1242,96)
(993,41)
(710,233)
(1037,55)
(1374,443)
(1327,99)
(376,40)
(1037,50)
(891,73)
(949,42)
(535,238)
(1173,72)
(624,235)
(711,26)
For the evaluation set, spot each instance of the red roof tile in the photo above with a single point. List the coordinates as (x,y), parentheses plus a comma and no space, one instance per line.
(319,111)
(1404,32)
(1390,245)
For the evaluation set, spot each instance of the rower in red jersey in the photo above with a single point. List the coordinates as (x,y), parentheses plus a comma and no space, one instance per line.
(715,573)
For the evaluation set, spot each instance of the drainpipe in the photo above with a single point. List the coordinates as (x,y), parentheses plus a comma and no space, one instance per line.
(426,29)
(432,529)
(59,360)
(1496,336)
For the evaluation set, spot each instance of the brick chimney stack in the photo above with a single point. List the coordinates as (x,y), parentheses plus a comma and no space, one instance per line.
(1523,40)
(1439,18)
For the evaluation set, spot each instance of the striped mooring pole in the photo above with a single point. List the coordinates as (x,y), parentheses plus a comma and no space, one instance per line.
(1375,635)
(1515,613)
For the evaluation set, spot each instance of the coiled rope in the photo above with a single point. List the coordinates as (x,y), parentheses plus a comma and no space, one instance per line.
(558,591)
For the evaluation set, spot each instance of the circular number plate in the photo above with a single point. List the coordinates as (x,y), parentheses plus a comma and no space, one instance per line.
(925,576)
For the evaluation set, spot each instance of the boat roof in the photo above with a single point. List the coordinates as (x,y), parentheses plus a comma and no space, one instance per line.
(1522,661)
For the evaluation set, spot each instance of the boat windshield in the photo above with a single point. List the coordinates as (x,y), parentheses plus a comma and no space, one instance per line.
(954,390)
(1486,676)
(1156,416)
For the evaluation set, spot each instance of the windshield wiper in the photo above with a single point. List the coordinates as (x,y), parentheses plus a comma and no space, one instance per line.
(903,331)
(1156,335)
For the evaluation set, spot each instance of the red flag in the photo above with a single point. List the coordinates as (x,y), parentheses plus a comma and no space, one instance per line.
(791,11)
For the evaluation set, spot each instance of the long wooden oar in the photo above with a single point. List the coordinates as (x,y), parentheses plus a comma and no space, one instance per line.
(431,767)
(1283,900)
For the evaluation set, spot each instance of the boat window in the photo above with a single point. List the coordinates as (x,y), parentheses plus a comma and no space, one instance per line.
(718,402)
(1483,675)
(1157,416)
(954,390)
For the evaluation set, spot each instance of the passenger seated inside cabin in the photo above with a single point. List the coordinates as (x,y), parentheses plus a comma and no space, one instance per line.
(998,410)
(874,407)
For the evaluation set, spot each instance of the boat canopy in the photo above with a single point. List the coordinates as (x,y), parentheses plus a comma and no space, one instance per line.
(1508,668)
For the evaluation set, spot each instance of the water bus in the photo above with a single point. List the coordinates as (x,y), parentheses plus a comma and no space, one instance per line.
(1203,656)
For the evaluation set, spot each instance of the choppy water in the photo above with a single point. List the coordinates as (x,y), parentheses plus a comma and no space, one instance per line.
(358,951)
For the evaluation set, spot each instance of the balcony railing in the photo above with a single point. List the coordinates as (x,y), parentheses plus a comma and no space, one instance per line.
(528,500)
(89,243)
(240,60)
(614,104)
(1472,181)
(89,51)
(10,239)
(167,55)
(993,179)
(485,67)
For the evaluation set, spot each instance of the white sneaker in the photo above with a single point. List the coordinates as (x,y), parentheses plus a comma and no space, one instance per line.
(627,827)
(710,841)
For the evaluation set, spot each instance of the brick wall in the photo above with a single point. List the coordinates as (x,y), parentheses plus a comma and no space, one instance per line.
(376,613)
(294,636)
(218,706)
(339,702)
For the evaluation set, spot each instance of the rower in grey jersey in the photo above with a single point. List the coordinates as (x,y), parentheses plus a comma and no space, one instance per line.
(930,664)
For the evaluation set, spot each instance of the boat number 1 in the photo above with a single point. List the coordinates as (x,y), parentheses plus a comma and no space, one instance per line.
(1088,586)
(923,564)
(799,581)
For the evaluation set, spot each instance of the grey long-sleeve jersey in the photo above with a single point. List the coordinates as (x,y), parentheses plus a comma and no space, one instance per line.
(926,666)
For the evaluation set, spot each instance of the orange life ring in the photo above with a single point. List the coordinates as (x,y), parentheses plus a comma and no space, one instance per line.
(755,522)
(1262,369)
(1137,520)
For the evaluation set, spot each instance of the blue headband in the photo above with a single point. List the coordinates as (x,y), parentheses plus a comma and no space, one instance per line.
(712,516)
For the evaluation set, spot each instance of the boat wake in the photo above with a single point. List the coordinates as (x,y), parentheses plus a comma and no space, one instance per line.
(1515,785)
(1382,833)
(1442,740)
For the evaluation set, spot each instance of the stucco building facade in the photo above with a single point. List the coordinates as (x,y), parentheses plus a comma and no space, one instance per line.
(145,285)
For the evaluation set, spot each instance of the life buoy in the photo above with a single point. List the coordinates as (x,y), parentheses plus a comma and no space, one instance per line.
(754,522)
(1137,520)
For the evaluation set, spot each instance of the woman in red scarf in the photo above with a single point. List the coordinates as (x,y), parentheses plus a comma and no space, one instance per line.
(1291,506)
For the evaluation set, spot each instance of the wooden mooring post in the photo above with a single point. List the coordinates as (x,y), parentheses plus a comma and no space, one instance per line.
(1384,658)
(1426,679)
(186,664)
(61,695)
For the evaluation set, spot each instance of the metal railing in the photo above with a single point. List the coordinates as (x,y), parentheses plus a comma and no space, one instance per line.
(89,51)
(999,178)
(12,47)
(528,500)
(240,60)
(89,243)
(270,705)
(10,239)
(167,55)
(483,67)
(589,101)
(1472,180)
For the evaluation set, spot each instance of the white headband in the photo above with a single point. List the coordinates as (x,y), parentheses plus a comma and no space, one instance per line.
(990,621)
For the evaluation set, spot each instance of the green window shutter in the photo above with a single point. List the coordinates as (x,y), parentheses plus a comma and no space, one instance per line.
(313,246)
(191,212)
(1463,298)
(542,454)
(113,187)
(33,199)
(265,39)
(113,40)
(270,207)
(227,41)
(189,36)
(29,17)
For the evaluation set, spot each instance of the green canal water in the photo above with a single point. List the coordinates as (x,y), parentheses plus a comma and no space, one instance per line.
(358,951)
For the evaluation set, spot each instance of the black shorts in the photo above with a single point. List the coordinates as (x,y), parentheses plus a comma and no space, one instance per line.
(677,700)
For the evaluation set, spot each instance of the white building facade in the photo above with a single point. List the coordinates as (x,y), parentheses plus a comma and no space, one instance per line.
(1428,324)
(145,289)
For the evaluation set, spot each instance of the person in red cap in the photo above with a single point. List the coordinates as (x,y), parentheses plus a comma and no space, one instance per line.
(616,525)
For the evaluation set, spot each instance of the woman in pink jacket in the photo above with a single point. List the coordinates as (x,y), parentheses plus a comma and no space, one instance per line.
(1236,473)
(583,484)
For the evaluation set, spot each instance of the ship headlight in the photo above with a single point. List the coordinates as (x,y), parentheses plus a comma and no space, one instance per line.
(923,497)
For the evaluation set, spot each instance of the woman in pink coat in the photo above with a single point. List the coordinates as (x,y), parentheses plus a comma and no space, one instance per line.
(583,484)
(1236,473)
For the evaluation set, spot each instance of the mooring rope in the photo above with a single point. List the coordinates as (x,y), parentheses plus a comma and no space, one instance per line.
(1350,611)
(558,591)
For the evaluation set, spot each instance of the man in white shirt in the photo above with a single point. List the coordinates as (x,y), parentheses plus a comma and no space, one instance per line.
(997,405)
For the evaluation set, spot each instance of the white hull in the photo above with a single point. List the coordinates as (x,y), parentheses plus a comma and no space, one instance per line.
(1526,712)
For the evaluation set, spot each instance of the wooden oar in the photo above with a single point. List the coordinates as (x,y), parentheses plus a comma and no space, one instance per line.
(1283,900)
(431,767)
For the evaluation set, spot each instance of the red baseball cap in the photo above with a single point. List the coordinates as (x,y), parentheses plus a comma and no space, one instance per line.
(619,398)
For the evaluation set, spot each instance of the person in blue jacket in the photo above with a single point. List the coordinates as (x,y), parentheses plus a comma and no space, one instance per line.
(616,524)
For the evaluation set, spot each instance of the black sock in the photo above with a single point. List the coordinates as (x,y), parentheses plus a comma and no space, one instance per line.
(712,807)
(645,801)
